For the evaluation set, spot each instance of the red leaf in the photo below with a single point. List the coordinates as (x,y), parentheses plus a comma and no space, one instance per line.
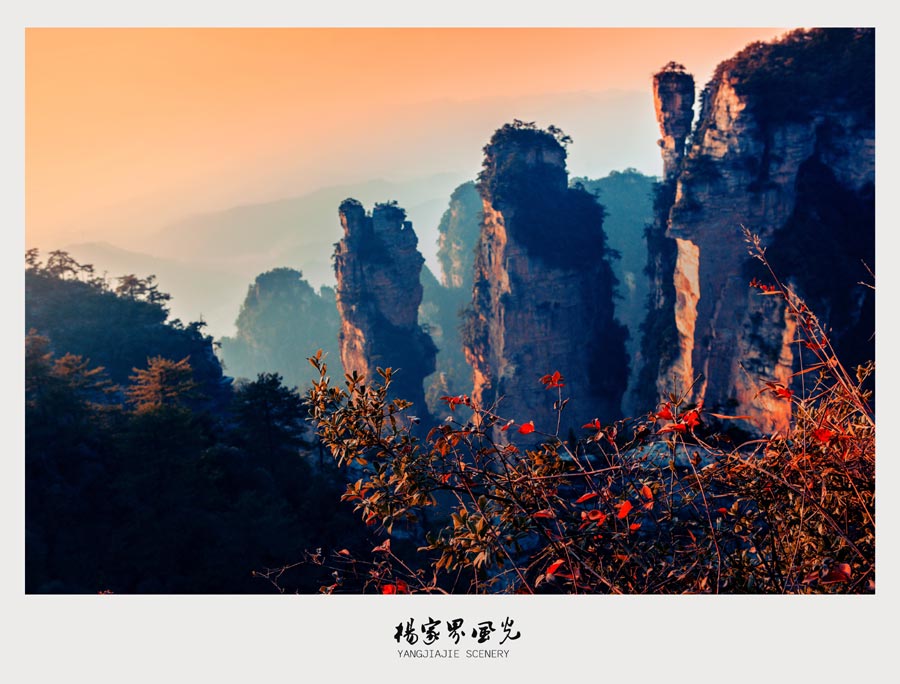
(453,402)
(824,435)
(402,587)
(389,589)
(593,425)
(586,497)
(546,513)
(384,547)
(553,381)
(554,566)
(673,427)
(507,426)
(445,478)
(634,526)
(624,508)
(527,428)
(723,511)
(596,516)
(344,552)
(646,492)
(692,418)
(838,573)
(779,391)
(665,413)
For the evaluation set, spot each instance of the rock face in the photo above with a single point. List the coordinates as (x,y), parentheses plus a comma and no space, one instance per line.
(457,233)
(785,146)
(673,100)
(543,289)
(377,266)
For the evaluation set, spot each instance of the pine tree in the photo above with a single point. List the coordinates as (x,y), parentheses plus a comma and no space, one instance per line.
(164,383)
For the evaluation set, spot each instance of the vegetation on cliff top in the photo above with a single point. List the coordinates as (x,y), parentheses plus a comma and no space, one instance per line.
(806,70)
(524,172)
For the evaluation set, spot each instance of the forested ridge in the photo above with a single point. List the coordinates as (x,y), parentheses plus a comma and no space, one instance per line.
(146,469)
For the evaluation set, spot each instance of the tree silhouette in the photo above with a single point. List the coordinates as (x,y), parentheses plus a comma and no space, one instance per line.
(270,415)
(61,265)
(164,383)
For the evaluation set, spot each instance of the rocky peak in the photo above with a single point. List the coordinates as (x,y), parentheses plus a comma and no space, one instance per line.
(457,234)
(543,288)
(673,99)
(377,266)
(521,158)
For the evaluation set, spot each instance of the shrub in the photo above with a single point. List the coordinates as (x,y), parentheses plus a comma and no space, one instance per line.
(656,504)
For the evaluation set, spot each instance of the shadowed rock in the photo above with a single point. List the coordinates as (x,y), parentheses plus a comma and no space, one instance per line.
(377,266)
(543,289)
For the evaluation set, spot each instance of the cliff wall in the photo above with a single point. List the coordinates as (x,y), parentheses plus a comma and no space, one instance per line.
(785,146)
(377,266)
(543,289)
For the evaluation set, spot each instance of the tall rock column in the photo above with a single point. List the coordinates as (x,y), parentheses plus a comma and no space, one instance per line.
(673,99)
(785,146)
(377,266)
(457,233)
(543,289)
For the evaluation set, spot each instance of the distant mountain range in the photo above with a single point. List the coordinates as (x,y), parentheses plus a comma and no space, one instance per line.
(207,261)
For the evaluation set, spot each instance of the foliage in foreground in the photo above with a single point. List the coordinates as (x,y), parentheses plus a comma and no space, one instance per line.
(659,504)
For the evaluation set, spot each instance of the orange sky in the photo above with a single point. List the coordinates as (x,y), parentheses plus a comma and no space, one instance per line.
(135,127)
